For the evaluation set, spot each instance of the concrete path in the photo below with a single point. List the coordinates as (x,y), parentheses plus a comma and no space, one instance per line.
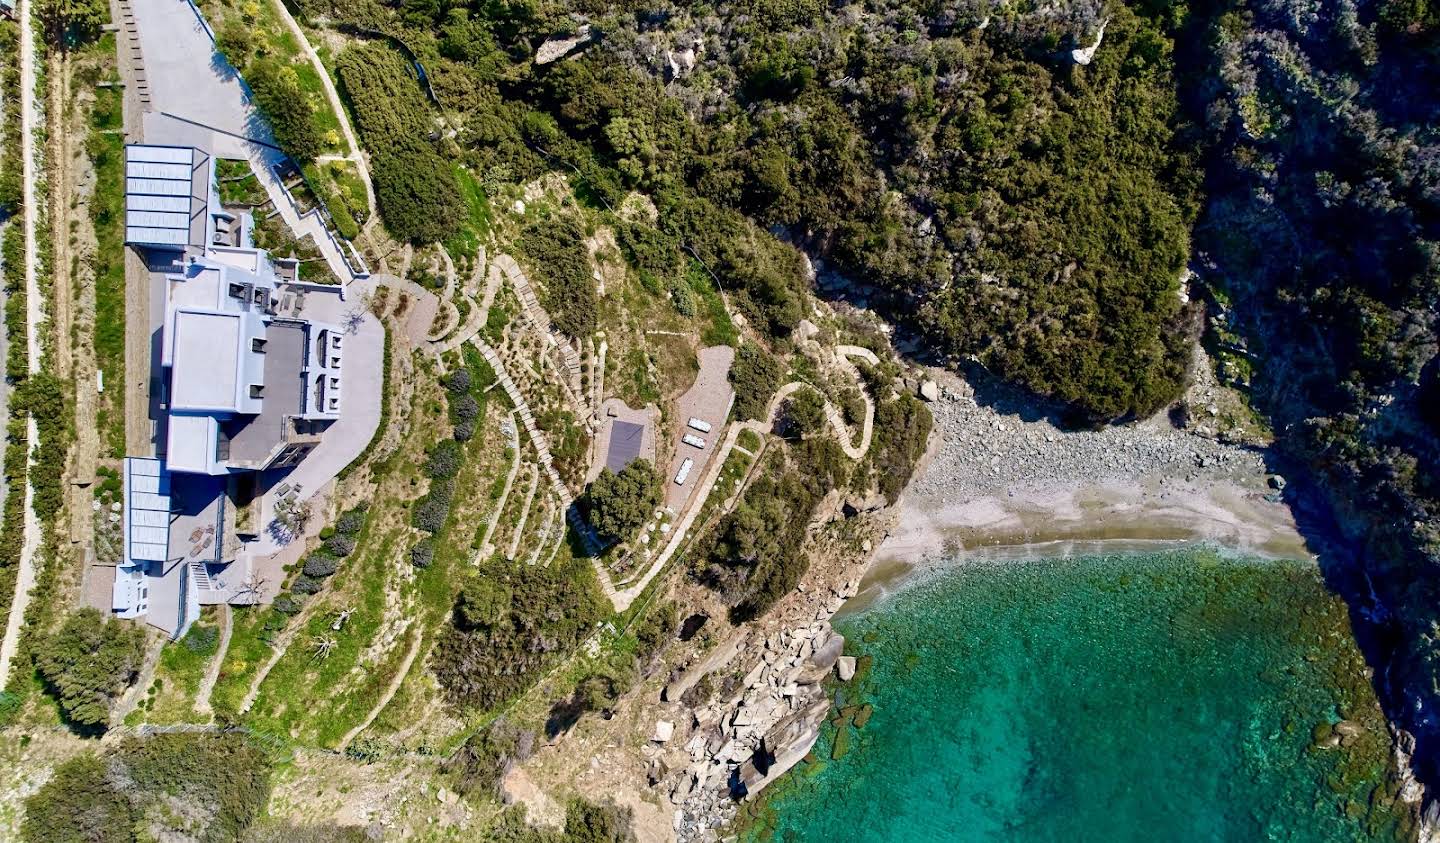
(390,691)
(357,153)
(853,450)
(34,314)
(212,671)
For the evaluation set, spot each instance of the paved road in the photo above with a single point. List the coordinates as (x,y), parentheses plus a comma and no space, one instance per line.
(198,99)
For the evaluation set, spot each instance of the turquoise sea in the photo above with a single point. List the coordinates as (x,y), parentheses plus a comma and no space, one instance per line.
(1181,696)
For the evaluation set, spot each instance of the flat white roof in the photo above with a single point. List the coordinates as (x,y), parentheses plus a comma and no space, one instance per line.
(169,236)
(149,170)
(171,204)
(191,443)
(158,219)
(162,187)
(205,352)
(246,259)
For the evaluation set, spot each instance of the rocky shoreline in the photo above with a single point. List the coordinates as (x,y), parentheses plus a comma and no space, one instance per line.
(708,760)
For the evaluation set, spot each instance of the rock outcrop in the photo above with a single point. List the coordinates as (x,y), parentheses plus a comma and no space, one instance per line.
(555,49)
(736,747)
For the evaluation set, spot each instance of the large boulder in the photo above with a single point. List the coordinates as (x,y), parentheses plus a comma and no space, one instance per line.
(555,49)
(858,504)
(823,659)
(845,668)
(929,390)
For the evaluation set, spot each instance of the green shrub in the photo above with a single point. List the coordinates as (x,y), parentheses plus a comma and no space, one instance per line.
(89,662)
(279,95)
(340,546)
(803,414)
(423,553)
(305,584)
(902,431)
(445,459)
(586,822)
(556,252)
(77,804)
(755,375)
(459,382)
(415,187)
(487,756)
(198,786)
(201,639)
(508,636)
(321,564)
(620,504)
(286,605)
(430,512)
(351,522)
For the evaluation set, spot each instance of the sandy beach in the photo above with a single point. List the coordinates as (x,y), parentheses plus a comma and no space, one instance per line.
(1000,482)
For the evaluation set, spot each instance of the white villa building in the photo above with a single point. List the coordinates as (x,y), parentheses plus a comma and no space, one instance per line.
(246,384)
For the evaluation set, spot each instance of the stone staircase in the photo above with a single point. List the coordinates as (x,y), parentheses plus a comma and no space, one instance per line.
(200,575)
(536,314)
(129,38)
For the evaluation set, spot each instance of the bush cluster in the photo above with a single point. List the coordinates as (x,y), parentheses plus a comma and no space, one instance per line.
(620,504)
(206,786)
(423,553)
(755,555)
(755,376)
(415,186)
(510,624)
(902,430)
(556,254)
(322,564)
(88,663)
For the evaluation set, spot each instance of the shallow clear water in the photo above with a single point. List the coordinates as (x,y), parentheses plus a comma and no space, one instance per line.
(1168,697)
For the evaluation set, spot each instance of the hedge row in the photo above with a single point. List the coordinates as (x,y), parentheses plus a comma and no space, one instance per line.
(339,542)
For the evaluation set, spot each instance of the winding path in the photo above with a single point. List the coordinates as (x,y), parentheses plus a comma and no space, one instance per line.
(622,598)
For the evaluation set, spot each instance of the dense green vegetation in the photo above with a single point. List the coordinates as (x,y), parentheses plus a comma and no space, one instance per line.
(555,248)
(509,623)
(620,504)
(88,662)
(276,89)
(1019,208)
(902,429)
(414,185)
(756,555)
(106,147)
(755,375)
(1323,229)
(191,786)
